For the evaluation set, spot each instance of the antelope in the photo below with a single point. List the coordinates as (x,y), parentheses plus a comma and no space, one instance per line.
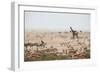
(35,44)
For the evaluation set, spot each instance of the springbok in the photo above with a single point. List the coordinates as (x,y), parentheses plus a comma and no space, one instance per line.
(42,44)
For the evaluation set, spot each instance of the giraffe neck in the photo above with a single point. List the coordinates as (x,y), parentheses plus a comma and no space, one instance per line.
(71,29)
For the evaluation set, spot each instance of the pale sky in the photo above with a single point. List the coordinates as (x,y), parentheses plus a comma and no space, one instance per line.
(50,21)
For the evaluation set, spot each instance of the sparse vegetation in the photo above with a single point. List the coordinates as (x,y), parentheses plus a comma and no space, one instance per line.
(60,47)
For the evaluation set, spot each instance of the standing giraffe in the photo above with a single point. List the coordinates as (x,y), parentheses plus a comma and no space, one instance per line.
(74,33)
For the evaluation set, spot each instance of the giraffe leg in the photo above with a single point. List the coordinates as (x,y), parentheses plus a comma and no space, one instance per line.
(73,35)
(77,35)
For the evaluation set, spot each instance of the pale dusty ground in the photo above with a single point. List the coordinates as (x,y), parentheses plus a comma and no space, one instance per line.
(62,41)
(59,40)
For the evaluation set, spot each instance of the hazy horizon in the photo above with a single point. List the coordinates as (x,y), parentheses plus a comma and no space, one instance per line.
(45,21)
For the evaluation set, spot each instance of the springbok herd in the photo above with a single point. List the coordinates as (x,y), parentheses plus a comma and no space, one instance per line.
(56,46)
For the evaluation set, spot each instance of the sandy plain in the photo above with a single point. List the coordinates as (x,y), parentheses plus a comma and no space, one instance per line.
(40,46)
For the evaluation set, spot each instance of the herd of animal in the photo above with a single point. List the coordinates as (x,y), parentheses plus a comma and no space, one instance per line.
(42,52)
(67,54)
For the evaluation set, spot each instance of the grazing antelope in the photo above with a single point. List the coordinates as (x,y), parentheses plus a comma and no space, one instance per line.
(71,52)
(35,44)
(42,44)
(74,33)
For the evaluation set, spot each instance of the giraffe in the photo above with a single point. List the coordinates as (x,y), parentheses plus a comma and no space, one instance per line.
(74,33)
